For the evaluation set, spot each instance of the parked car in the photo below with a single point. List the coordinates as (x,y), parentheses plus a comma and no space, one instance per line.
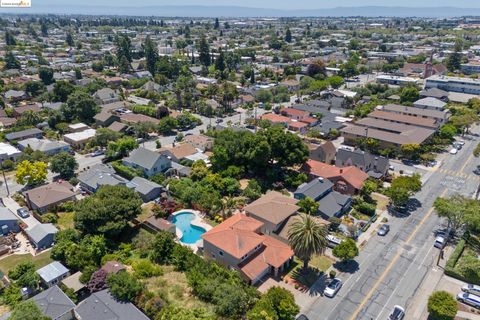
(219,120)
(384,229)
(472,289)
(453,151)
(469,299)
(391,168)
(23,212)
(397,313)
(333,241)
(301,317)
(97,153)
(332,288)
(457,146)
(461,142)
(477,170)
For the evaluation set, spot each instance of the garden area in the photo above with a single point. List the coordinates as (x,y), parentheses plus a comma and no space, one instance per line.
(464,263)
(10,262)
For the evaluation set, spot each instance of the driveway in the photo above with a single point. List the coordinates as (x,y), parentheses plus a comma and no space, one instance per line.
(13,206)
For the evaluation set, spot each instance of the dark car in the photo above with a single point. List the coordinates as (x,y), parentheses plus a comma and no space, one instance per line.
(301,317)
(23,212)
(397,314)
(384,229)
(219,120)
(477,170)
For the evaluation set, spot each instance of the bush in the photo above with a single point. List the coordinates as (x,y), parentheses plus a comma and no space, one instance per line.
(456,254)
(49,218)
(123,286)
(146,269)
(442,306)
(8,164)
(332,273)
(126,172)
(365,207)
(74,181)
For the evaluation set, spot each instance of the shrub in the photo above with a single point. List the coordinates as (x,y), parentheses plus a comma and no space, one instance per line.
(49,218)
(8,164)
(442,306)
(452,261)
(123,286)
(332,273)
(124,171)
(145,269)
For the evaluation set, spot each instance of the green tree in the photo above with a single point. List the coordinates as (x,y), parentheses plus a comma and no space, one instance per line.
(69,40)
(46,75)
(410,150)
(121,147)
(64,164)
(80,106)
(220,61)
(27,310)
(11,62)
(459,211)
(454,60)
(62,90)
(277,303)
(308,206)
(151,54)
(24,275)
(162,247)
(335,82)
(103,136)
(216,25)
(166,125)
(409,94)
(108,211)
(9,38)
(402,188)
(178,313)
(288,35)
(316,68)
(448,131)
(307,237)
(204,52)
(123,286)
(346,250)
(31,173)
(442,306)
(34,88)
(253,191)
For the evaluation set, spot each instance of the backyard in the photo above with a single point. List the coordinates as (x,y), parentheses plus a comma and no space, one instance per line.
(9,262)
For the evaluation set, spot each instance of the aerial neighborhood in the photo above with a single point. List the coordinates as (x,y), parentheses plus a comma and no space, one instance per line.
(208,168)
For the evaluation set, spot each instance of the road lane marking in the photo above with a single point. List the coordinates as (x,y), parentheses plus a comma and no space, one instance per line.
(392,263)
(466,162)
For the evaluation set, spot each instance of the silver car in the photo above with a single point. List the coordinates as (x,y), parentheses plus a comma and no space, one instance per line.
(397,313)
(332,288)
(384,229)
(471,288)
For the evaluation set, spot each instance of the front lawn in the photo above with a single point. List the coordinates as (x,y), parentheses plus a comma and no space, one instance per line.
(317,267)
(65,220)
(9,262)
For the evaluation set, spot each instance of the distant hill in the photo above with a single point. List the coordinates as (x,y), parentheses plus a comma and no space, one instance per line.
(236,11)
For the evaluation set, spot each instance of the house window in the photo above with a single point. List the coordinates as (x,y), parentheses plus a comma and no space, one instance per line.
(220,252)
(213,255)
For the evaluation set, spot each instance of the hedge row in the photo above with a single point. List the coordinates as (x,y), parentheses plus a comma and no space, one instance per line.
(124,171)
(452,261)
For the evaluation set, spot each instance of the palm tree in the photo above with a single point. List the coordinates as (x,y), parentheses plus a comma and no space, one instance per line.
(227,205)
(307,237)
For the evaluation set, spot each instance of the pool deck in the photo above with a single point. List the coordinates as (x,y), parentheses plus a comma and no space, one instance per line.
(198,221)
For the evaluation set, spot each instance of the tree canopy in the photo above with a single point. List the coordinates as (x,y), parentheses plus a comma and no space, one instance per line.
(64,164)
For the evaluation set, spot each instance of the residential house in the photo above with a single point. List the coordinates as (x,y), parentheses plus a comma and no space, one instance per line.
(434,93)
(275,118)
(237,243)
(347,180)
(15,95)
(199,141)
(41,235)
(49,147)
(374,166)
(8,221)
(272,209)
(324,152)
(102,305)
(148,190)
(133,118)
(455,84)
(24,134)
(179,152)
(20,110)
(73,283)
(104,119)
(79,139)
(430,103)
(48,196)
(330,202)
(439,116)
(55,304)
(105,96)
(148,161)
(9,152)
(53,273)
(99,175)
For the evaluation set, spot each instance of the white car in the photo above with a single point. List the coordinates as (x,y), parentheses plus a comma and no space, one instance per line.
(397,313)
(469,299)
(454,151)
(461,142)
(332,288)
(471,288)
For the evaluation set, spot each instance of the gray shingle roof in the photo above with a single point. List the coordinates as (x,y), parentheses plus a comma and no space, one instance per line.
(102,306)
(100,175)
(24,133)
(358,158)
(315,189)
(40,231)
(144,158)
(52,271)
(6,214)
(54,302)
(142,185)
(332,203)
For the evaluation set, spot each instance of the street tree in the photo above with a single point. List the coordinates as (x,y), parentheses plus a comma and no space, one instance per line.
(307,237)
(64,164)
(346,250)
(442,306)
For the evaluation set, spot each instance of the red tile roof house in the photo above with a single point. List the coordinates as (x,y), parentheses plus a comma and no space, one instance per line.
(275,118)
(346,180)
(238,244)
(295,114)
(297,126)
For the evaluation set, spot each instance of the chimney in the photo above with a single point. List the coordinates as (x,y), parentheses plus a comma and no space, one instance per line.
(341,170)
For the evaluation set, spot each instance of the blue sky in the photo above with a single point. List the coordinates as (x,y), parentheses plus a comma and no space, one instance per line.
(279,4)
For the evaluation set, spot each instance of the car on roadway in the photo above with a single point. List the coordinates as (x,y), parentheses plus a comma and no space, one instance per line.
(384,229)
(461,142)
(397,313)
(219,120)
(301,317)
(458,146)
(453,151)
(477,170)
(469,299)
(441,238)
(471,288)
(332,288)
(97,153)
(23,212)
(391,168)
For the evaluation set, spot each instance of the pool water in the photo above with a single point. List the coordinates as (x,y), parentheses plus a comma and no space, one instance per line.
(191,233)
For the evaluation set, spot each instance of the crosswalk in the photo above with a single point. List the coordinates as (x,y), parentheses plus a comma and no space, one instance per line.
(462,175)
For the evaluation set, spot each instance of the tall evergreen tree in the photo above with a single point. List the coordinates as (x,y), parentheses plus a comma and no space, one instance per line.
(204,52)
(10,39)
(454,61)
(11,62)
(44,28)
(217,24)
(220,61)
(288,36)
(69,40)
(151,54)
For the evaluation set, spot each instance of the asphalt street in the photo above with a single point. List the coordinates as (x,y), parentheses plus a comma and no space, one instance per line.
(390,269)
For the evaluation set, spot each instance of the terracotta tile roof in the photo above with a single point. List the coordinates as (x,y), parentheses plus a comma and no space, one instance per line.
(180,151)
(294,112)
(273,207)
(236,235)
(273,253)
(275,118)
(295,124)
(352,175)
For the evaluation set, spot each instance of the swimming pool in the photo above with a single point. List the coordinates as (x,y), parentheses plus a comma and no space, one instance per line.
(191,234)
